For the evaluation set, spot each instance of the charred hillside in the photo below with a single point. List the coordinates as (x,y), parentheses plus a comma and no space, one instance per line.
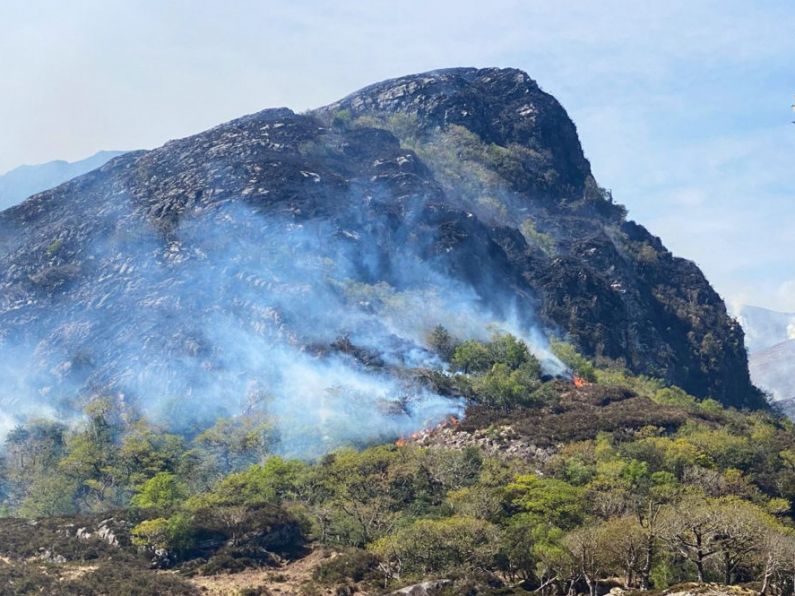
(202,276)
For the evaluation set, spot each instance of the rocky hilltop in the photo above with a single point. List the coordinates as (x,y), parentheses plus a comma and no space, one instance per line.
(323,245)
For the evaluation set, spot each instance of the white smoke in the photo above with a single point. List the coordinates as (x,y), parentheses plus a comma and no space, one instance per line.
(235,308)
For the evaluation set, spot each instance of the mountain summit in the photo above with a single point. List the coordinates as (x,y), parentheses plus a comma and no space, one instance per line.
(299,261)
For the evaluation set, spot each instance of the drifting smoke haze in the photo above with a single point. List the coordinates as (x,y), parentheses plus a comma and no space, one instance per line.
(236,311)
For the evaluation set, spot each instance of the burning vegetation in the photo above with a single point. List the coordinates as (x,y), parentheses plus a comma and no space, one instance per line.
(578,382)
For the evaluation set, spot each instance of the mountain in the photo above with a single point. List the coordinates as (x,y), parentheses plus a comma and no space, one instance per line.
(770,339)
(298,262)
(765,328)
(773,368)
(24,181)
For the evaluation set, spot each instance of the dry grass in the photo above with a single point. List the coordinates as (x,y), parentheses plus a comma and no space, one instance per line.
(73,572)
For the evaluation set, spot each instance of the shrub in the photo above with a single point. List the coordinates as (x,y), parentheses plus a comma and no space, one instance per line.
(354,565)
(580,366)
(473,356)
(174,534)
(504,389)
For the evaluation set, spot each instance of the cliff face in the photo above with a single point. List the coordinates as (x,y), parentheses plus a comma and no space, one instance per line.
(454,196)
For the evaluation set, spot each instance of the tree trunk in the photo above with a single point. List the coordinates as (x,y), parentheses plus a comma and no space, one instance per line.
(765,582)
(570,591)
(591,585)
(699,559)
(645,572)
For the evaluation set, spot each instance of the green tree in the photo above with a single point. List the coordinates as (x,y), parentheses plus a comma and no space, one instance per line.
(91,459)
(163,491)
(471,357)
(271,482)
(555,501)
(442,342)
(511,351)
(430,546)
(238,442)
(586,548)
(504,389)
(49,495)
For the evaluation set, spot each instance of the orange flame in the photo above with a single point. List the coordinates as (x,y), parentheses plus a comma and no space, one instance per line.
(450,422)
(579,382)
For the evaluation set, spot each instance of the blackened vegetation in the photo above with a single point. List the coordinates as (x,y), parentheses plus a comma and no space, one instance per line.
(68,556)
(580,414)
(97,554)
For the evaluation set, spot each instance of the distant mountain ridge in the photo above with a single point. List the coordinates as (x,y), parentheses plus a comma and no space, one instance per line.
(20,183)
(764,327)
(770,338)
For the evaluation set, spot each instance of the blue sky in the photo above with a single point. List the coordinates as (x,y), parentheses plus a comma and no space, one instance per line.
(683,107)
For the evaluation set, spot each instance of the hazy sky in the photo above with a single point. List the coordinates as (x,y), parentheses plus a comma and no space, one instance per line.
(683,106)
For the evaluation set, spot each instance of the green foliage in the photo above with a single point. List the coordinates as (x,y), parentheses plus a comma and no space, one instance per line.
(507,350)
(145,451)
(471,357)
(441,342)
(175,534)
(440,546)
(543,241)
(555,501)
(674,396)
(236,443)
(527,541)
(547,485)
(272,482)
(50,495)
(504,389)
(506,375)
(569,355)
(54,247)
(342,118)
(163,491)
(614,377)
